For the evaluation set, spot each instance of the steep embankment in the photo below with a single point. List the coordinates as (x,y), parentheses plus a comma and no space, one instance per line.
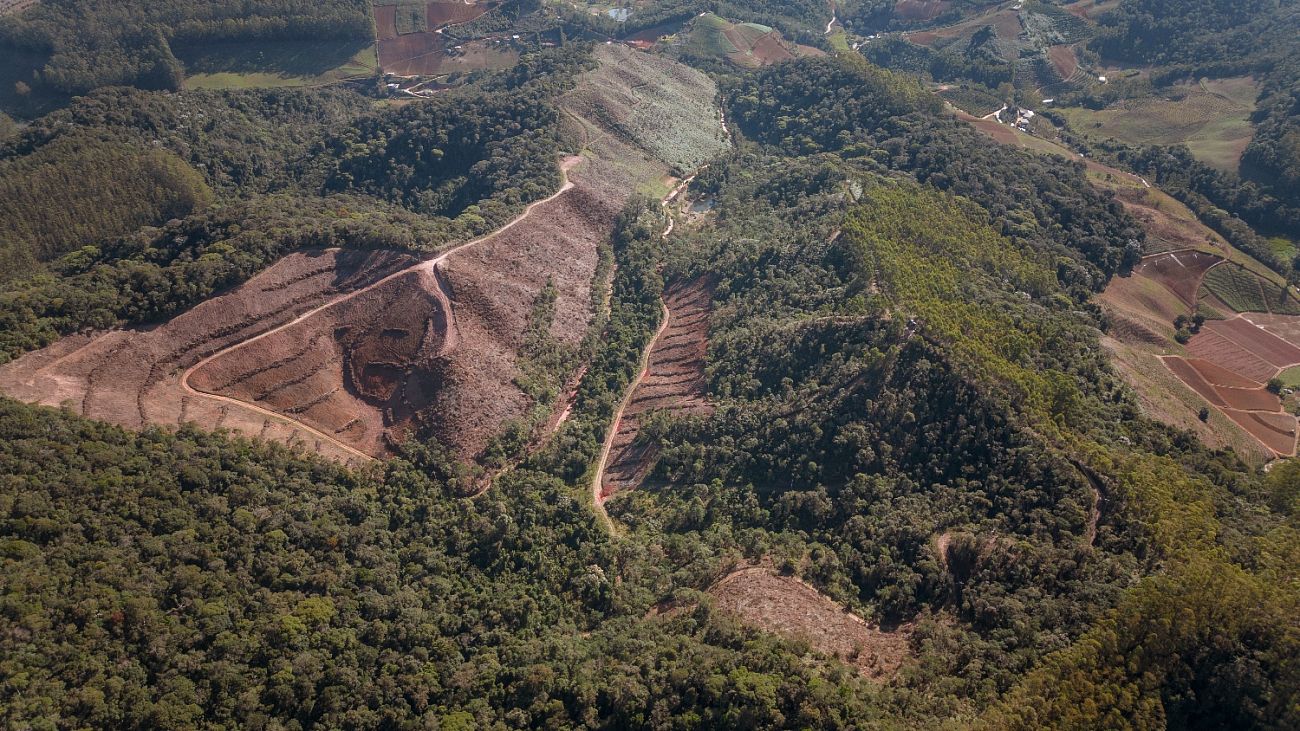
(344,351)
(672,381)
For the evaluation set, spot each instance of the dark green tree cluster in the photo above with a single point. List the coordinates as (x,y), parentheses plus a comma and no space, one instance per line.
(189,580)
(493,152)
(846,106)
(78,190)
(94,43)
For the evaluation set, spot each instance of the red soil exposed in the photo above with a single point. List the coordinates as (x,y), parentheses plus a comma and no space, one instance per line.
(673,382)
(1228,354)
(1276,431)
(385,22)
(1235,358)
(1063,60)
(921,10)
(1194,380)
(135,377)
(414,54)
(1180,272)
(1221,376)
(786,606)
(1276,351)
(1286,327)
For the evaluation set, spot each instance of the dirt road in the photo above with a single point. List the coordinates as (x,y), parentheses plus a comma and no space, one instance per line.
(429,267)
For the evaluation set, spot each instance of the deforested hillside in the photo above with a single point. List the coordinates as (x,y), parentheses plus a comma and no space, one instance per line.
(627,388)
(349,364)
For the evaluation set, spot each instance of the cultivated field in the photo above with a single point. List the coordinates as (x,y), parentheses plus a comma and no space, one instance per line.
(343,351)
(789,607)
(673,382)
(748,45)
(410,43)
(1211,117)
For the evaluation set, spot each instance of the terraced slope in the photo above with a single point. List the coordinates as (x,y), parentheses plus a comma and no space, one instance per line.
(344,352)
(672,382)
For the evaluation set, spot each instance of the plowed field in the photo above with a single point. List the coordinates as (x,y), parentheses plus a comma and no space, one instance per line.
(344,351)
(673,382)
(136,377)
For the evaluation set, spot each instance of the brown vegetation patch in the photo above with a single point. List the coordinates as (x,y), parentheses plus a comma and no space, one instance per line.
(1275,430)
(1180,272)
(920,10)
(1063,60)
(134,377)
(673,382)
(786,606)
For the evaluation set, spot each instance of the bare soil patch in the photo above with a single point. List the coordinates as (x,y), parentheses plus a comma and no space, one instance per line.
(453,13)
(1276,351)
(1195,380)
(921,10)
(1064,60)
(1180,272)
(1286,327)
(414,54)
(385,22)
(672,382)
(1211,346)
(1276,431)
(1221,376)
(134,377)
(786,606)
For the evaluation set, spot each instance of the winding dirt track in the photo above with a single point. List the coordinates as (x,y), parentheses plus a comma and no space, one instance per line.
(439,288)
(599,478)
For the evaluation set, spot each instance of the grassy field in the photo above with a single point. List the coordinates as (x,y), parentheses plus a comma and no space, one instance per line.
(261,64)
(1211,117)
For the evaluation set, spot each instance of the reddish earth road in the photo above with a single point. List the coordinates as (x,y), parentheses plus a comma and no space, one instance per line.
(599,479)
(429,267)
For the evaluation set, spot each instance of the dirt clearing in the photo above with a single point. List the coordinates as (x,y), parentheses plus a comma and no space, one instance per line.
(786,606)
(673,382)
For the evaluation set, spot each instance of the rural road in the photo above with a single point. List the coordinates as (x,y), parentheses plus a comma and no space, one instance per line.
(618,418)
(642,371)
(428,265)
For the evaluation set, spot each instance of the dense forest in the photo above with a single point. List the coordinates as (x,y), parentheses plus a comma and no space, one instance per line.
(105,200)
(93,43)
(910,410)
